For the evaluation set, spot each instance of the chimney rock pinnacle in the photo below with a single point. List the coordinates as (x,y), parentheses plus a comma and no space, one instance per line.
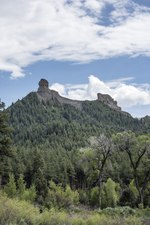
(43,83)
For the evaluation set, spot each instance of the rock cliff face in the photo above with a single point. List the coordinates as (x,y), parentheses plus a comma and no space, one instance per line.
(108,100)
(44,93)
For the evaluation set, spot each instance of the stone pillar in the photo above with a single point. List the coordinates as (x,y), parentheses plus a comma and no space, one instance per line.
(43,85)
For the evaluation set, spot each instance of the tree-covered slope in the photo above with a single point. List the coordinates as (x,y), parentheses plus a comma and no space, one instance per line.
(37,122)
(48,158)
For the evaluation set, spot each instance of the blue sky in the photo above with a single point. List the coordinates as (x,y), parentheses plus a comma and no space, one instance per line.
(81,47)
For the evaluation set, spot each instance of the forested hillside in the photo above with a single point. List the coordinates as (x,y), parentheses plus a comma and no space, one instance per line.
(52,142)
(57,155)
(37,122)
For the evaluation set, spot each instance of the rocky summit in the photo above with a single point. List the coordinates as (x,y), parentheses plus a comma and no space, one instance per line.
(44,117)
(44,93)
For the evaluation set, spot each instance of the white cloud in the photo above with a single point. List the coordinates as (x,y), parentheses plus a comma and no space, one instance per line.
(127,95)
(34,30)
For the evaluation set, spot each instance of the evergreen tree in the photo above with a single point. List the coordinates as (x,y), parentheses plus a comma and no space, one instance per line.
(5,151)
(41,187)
(10,187)
(21,186)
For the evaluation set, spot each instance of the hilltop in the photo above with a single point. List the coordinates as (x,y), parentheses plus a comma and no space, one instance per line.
(46,117)
(44,93)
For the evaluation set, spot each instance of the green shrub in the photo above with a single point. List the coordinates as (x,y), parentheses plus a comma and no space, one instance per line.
(119,211)
(29,194)
(21,192)
(16,212)
(83,197)
(112,194)
(132,220)
(60,197)
(53,217)
(133,193)
(94,196)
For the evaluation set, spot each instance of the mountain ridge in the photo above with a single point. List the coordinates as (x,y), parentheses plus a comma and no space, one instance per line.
(44,93)
(44,117)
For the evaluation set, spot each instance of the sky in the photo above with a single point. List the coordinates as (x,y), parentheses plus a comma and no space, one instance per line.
(81,47)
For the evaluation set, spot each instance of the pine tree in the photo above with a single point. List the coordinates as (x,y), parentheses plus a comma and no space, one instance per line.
(5,151)
(10,187)
(21,186)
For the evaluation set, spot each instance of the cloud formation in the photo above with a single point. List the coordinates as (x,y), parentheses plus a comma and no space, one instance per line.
(35,30)
(127,95)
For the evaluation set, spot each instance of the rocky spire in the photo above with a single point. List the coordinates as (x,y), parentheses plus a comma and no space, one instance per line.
(43,85)
(46,94)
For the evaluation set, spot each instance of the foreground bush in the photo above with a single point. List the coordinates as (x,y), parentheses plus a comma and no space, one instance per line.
(59,197)
(15,212)
(119,211)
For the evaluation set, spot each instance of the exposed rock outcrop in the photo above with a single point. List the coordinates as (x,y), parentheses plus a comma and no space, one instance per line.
(108,100)
(44,93)
(43,84)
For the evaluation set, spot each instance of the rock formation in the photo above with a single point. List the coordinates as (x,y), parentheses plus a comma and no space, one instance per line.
(44,93)
(108,100)
(43,84)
